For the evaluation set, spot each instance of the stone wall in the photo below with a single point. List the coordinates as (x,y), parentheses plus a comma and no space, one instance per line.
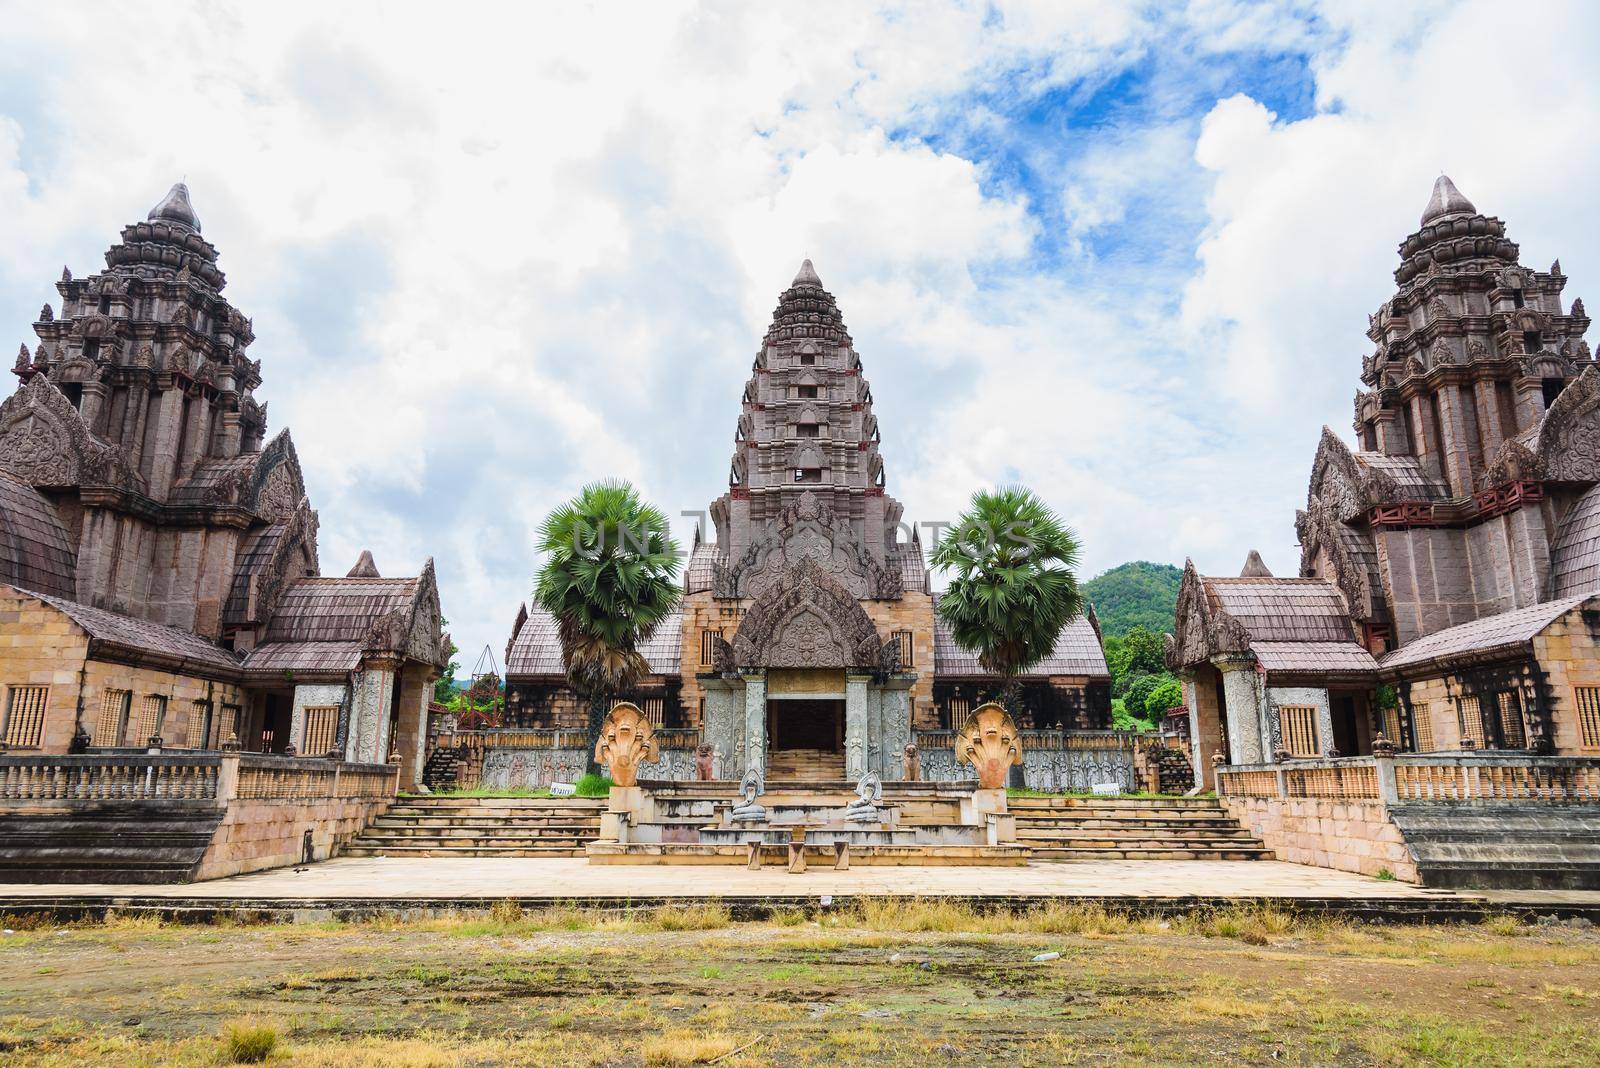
(1568,651)
(1279,697)
(270,833)
(1355,836)
(183,693)
(1063,770)
(42,648)
(535,769)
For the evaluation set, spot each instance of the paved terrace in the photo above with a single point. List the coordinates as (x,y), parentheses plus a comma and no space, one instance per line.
(378,884)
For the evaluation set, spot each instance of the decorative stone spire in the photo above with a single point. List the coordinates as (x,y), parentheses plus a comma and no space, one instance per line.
(1255,567)
(807,276)
(1446,200)
(365,567)
(175,208)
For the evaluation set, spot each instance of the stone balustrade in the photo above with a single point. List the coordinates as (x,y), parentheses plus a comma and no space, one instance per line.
(110,777)
(1422,777)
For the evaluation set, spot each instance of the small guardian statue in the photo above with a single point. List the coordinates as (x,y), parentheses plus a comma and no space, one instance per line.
(704,763)
(750,788)
(912,761)
(864,809)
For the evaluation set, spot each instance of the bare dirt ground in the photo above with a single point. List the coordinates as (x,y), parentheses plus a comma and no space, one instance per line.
(889,984)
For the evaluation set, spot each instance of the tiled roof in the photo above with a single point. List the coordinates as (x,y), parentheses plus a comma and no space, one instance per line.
(337,609)
(913,571)
(1504,632)
(1314,658)
(699,575)
(537,649)
(303,658)
(1283,609)
(169,644)
(1407,472)
(1575,557)
(1077,652)
(35,552)
(208,475)
(256,554)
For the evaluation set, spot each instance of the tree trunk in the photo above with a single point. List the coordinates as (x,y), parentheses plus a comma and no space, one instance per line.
(1011,698)
(597,718)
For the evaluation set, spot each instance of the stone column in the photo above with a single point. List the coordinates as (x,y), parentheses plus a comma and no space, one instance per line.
(164,450)
(1426,446)
(1488,409)
(416,687)
(1244,710)
(1530,401)
(755,721)
(368,740)
(1391,432)
(856,727)
(896,717)
(1457,449)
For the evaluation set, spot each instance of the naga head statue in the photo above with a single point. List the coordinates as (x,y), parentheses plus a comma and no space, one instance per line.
(990,742)
(869,788)
(626,740)
(750,786)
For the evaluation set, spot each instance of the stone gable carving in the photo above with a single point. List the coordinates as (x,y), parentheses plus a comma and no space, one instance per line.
(426,641)
(1201,632)
(1320,532)
(44,442)
(1566,445)
(808,619)
(809,530)
(276,485)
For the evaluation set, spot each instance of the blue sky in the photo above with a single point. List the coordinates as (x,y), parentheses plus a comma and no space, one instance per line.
(1121,253)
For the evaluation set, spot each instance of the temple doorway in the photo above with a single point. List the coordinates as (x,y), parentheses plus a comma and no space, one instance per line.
(805,739)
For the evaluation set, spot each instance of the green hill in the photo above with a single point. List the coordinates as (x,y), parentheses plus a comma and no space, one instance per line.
(1133,595)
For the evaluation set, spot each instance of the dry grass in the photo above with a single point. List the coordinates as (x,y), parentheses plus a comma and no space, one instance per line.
(688,1046)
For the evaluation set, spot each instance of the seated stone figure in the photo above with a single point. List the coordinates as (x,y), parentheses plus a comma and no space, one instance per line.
(864,809)
(747,811)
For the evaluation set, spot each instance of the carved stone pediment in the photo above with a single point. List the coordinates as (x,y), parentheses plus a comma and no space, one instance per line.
(276,485)
(1352,559)
(807,619)
(1201,631)
(1566,446)
(809,530)
(44,442)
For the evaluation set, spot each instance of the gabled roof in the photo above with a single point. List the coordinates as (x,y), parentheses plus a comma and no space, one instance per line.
(1283,609)
(144,642)
(337,609)
(1077,652)
(536,650)
(1484,638)
(35,551)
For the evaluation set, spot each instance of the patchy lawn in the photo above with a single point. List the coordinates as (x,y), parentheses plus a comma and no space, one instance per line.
(893,984)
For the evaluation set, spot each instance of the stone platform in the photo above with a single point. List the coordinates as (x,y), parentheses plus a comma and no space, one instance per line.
(372,886)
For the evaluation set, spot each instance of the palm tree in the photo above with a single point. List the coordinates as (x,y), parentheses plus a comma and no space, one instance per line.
(1013,587)
(609,578)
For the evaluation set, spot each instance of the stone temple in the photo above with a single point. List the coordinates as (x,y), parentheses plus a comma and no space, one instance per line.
(807,645)
(159,580)
(1448,595)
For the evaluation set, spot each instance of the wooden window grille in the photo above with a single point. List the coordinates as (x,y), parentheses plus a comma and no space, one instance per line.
(230,725)
(1422,723)
(198,729)
(903,638)
(25,707)
(1512,736)
(1299,724)
(322,730)
(1391,724)
(152,710)
(1588,701)
(113,714)
(708,647)
(957,709)
(1469,716)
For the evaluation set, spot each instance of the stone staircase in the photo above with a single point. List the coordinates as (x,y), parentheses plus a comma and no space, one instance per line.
(1132,828)
(804,765)
(481,827)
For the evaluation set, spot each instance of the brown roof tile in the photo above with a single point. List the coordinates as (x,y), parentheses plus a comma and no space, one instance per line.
(337,609)
(1492,634)
(537,648)
(1283,609)
(272,659)
(1575,557)
(35,552)
(141,637)
(1314,658)
(1077,652)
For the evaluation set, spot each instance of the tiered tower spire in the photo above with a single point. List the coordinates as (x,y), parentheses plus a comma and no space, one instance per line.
(806,428)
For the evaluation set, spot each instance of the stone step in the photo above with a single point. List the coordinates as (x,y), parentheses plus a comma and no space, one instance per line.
(1156,835)
(1177,817)
(1130,853)
(403,831)
(437,819)
(382,842)
(356,849)
(1134,842)
(1035,803)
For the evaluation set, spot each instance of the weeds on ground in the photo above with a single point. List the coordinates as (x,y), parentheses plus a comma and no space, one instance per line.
(249,1041)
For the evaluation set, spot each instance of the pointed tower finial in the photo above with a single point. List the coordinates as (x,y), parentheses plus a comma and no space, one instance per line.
(807,276)
(365,567)
(1446,200)
(175,208)
(1255,567)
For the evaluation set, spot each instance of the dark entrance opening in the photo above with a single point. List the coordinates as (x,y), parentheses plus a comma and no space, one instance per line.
(806,723)
(1352,732)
